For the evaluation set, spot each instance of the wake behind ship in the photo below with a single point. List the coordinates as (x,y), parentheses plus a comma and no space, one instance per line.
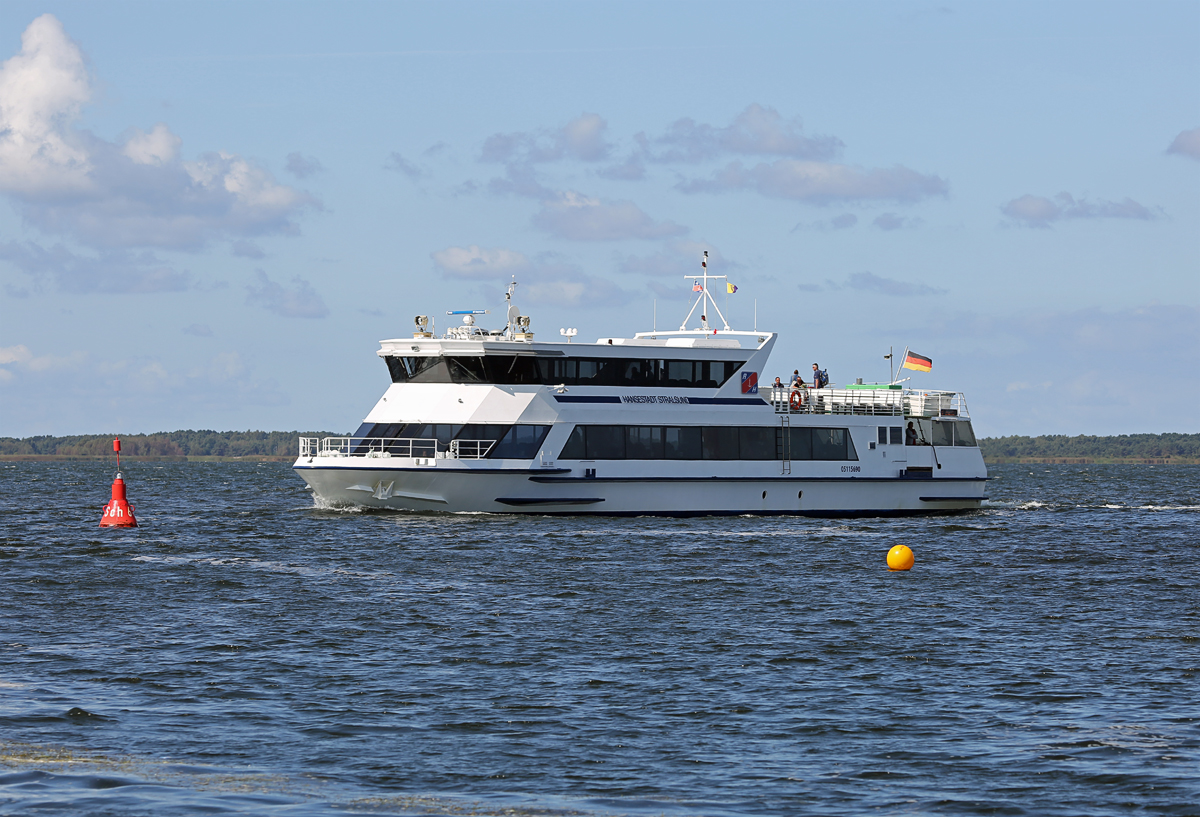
(663,423)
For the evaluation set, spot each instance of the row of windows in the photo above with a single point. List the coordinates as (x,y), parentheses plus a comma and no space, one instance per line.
(552,371)
(943,432)
(520,442)
(707,443)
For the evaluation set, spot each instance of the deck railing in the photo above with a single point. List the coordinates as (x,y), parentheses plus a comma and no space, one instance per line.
(394,447)
(885,402)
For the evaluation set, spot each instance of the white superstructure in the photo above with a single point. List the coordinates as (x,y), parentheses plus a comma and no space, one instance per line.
(665,422)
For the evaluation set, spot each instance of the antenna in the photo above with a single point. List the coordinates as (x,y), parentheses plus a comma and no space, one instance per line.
(704,297)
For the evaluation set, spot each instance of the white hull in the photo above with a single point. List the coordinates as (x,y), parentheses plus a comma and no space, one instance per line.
(644,488)
(664,423)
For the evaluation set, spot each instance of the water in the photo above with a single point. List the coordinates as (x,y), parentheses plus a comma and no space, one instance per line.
(245,653)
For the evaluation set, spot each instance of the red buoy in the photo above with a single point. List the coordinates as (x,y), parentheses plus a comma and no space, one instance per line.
(118,513)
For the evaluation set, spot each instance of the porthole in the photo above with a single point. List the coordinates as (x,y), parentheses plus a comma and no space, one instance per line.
(764,494)
(799,494)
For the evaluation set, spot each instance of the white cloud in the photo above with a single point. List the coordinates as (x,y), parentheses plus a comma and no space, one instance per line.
(1187,143)
(116,272)
(1039,211)
(42,88)
(135,194)
(298,301)
(870,282)
(402,166)
(20,357)
(548,279)
(757,130)
(302,166)
(158,147)
(820,182)
(475,262)
(581,218)
(891,221)
(582,138)
(678,259)
(247,249)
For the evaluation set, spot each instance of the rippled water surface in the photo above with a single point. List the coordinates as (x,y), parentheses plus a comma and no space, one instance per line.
(245,653)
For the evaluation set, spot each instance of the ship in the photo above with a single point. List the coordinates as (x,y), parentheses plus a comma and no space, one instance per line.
(667,423)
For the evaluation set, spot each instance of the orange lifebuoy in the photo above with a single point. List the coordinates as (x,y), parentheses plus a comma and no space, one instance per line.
(796,400)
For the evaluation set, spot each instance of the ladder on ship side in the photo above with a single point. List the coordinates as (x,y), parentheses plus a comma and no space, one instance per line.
(785,443)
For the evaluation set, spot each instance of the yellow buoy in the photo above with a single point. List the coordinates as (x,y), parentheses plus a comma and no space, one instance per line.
(900,558)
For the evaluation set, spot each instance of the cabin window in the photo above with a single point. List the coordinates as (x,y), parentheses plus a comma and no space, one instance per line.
(801,443)
(883,435)
(757,443)
(522,370)
(720,442)
(682,442)
(605,442)
(644,443)
(964,435)
(520,443)
(512,442)
(943,433)
(588,442)
(831,444)
(897,435)
(575,448)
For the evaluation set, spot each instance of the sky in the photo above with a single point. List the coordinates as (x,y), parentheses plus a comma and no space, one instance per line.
(210,213)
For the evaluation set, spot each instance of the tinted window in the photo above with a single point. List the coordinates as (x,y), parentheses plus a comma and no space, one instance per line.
(757,443)
(644,443)
(531,369)
(801,448)
(574,449)
(682,443)
(829,443)
(482,431)
(605,442)
(943,433)
(467,369)
(520,443)
(897,435)
(708,443)
(720,443)
(963,433)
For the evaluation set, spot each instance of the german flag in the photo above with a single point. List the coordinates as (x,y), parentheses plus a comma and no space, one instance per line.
(919,362)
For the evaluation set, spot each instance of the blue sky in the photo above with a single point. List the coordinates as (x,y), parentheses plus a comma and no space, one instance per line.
(211,212)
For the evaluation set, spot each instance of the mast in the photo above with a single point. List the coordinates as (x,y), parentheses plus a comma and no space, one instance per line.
(704,298)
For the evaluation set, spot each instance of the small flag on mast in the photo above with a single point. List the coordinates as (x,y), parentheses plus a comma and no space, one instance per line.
(696,287)
(918,362)
(730,288)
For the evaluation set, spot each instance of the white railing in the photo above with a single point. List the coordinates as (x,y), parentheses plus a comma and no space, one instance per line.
(885,402)
(470,449)
(394,447)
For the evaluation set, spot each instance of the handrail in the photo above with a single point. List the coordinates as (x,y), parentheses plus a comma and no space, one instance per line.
(406,447)
(885,402)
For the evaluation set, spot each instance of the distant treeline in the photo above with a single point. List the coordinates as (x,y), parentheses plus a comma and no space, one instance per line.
(168,444)
(283,444)
(1124,446)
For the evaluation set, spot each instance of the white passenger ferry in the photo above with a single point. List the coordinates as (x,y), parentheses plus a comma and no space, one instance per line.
(665,423)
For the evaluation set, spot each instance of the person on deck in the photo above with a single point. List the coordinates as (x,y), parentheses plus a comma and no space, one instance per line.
(816,376)
(797,382)
(910,435)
